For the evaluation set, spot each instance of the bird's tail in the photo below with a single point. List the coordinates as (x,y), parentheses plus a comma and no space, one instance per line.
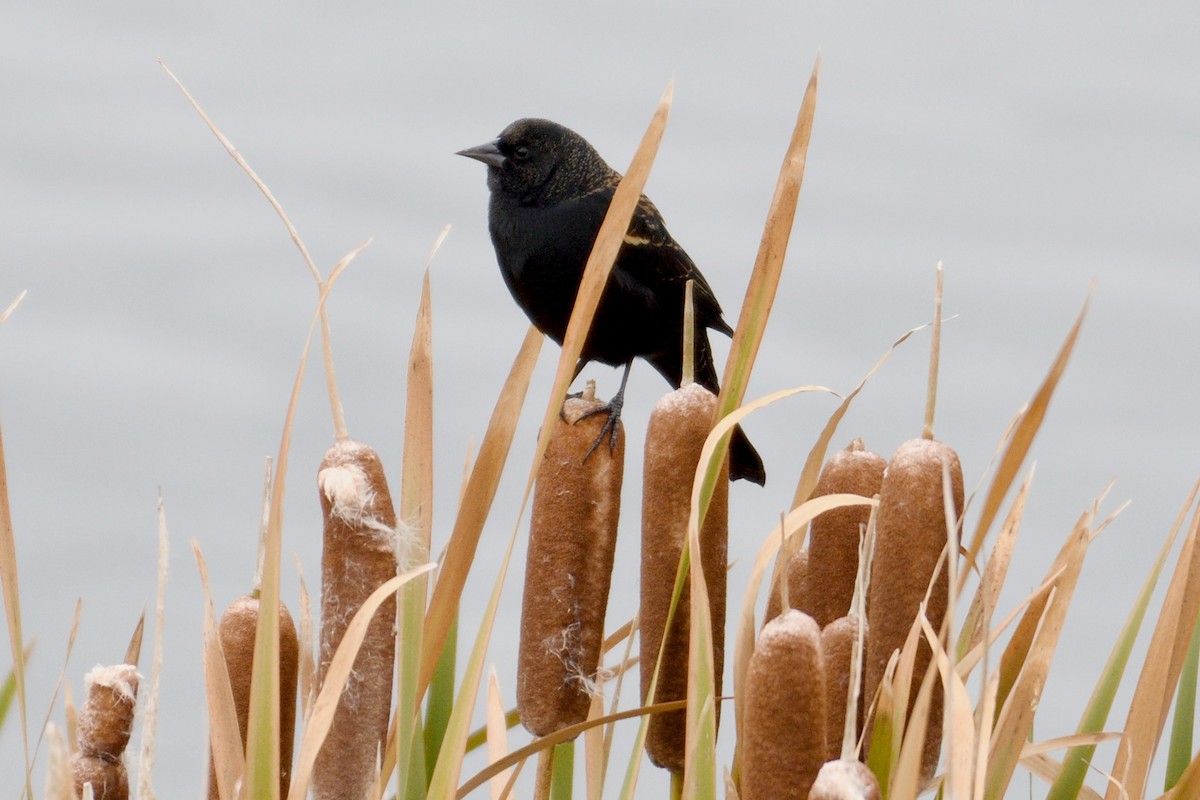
(744,461)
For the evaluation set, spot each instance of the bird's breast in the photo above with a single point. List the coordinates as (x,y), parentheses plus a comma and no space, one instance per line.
(542,251)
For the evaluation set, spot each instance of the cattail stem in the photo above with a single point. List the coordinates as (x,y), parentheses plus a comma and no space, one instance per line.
(935,349)
(676,786)
(545,774)
(264,519)
(689,336)
(562,780)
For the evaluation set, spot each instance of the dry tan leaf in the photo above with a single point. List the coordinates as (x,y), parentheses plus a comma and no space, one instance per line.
(1022,439)
(594,762)
(768,264)
(225,737)
(497,734)
(987,594)
(4,315)
(1047,769)
(1017,710)
(1164,659)
(796,520)
(336,676)
(476,502)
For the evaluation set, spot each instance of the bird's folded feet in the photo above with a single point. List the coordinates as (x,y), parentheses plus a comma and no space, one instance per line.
(613,411)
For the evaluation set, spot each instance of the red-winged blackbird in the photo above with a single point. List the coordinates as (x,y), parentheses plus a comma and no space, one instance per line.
(550,190)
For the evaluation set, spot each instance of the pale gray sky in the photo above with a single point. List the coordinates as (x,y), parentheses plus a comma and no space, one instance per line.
(1031,148)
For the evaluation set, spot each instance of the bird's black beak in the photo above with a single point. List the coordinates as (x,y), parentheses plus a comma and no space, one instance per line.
(487,153)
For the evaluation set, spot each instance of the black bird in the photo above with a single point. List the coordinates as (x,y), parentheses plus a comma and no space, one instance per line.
(550,190)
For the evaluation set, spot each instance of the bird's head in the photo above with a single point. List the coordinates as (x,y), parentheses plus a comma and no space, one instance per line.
(539,162)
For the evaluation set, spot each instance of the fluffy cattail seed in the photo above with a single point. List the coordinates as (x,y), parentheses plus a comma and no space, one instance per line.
(361,551)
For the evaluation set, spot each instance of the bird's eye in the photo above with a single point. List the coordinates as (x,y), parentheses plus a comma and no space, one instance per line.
(521,153)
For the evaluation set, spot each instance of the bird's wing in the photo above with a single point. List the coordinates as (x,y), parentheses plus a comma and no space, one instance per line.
(667,262)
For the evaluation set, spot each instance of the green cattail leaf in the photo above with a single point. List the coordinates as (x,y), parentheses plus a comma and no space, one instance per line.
(416,510)
(446,771)
(1015,720)
(7,691)
(1077,760)
(12,607)
(441,699)
(262,734)
(629,786)
(562,735)
(1160,672)
(476,504)
(337,674)
(562,779)
(1189,781)
(1185,714)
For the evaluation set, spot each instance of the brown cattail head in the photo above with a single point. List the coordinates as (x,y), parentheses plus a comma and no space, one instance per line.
(845,780)
(837,646)
(572,542)
(109,779)
(784,728)
(794,567)
(834,535)
(362,548)
(910,537)
(105,725)
(675,436)
(238,629)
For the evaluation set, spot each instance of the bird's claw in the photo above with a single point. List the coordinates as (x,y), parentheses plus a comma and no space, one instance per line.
(613,410)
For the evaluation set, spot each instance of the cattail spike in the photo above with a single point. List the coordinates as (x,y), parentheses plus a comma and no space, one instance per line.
(572,544)
(675,436)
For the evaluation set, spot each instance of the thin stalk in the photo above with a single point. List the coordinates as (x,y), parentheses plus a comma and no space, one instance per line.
(1180,753)
(562,775)
(935,348)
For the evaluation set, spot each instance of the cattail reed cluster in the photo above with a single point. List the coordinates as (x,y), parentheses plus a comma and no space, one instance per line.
(796,696)
(799,681)
(675,435)
(361,551)
(105,725)
(572,543)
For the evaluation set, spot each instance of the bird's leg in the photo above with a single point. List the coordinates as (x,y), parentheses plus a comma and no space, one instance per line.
(579,365)
(613,409)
